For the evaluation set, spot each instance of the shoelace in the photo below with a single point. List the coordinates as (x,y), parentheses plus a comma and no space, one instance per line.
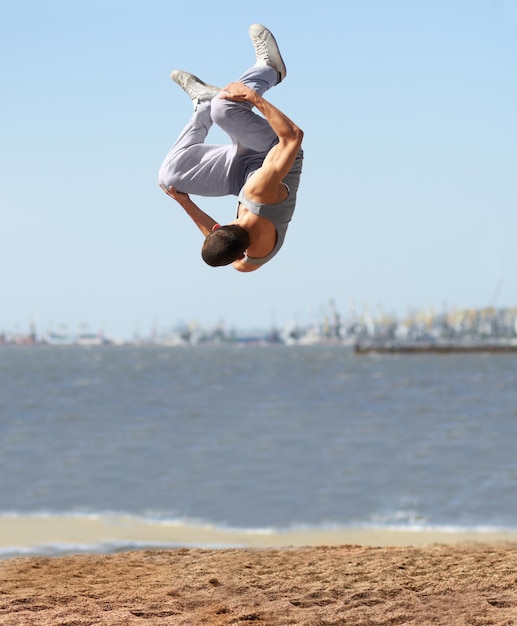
(193,94)
(189,85)
(261,50)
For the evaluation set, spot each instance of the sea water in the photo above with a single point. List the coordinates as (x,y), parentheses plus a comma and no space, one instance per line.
(259,437)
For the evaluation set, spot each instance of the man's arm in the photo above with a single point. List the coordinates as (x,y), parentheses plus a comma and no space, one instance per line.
(201,219)
(264,185)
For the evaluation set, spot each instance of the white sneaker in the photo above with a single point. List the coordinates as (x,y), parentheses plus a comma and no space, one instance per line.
(266,50)
(198,90)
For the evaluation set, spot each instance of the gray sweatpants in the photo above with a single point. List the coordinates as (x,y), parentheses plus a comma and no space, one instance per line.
(194,167)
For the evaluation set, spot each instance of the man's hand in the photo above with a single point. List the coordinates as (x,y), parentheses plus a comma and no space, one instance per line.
(238,92)
(179,196)
(203,221)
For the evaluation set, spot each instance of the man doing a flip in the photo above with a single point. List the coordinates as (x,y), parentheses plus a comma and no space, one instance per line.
(261,166)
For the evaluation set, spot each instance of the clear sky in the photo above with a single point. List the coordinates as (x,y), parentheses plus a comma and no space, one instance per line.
(408,197)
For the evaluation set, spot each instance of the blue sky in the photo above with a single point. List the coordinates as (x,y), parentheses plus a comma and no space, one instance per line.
(408,197)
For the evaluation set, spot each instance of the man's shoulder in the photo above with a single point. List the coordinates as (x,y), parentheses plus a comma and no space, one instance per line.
(241,265)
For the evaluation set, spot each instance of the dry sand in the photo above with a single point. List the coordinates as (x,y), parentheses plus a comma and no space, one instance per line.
(469,584)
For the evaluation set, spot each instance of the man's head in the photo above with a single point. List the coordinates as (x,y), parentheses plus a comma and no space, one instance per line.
(225,244)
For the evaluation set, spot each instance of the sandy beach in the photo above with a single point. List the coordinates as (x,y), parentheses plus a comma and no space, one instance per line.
(468,584)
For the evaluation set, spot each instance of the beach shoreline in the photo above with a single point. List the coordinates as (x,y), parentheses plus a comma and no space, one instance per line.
(53,535)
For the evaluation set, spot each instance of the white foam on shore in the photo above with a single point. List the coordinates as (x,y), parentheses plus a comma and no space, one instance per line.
(55,534)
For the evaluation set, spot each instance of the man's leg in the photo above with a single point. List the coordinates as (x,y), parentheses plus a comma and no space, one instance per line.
(191,166)
(247,130)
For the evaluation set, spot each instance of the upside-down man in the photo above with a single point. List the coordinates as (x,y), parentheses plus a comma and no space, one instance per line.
(261,166)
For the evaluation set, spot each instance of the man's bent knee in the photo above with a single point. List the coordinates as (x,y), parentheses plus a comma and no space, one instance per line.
(221,109)
(166,177)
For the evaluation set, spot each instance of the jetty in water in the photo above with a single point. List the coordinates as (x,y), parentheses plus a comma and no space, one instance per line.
(421,347)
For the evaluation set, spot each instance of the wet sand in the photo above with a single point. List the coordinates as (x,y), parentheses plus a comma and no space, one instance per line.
(126,532)
(467,584)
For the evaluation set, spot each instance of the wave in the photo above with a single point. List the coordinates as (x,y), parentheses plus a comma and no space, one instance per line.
(399,520)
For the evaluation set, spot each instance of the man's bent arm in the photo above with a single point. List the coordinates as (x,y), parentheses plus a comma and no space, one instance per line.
(201,219)
(290,136)
(285,129)
(281,157)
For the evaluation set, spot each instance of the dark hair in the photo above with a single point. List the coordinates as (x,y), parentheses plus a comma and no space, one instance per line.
(225,245)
